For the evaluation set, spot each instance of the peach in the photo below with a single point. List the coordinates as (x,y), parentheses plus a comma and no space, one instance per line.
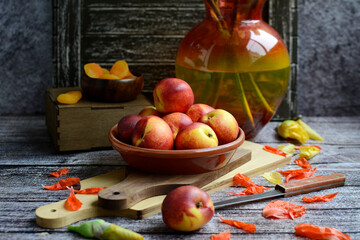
(196,135)
(173,95)
(177,121)
(187,208)
(223,123)
(153,132)
(196,111)
(126,127)
(150,110)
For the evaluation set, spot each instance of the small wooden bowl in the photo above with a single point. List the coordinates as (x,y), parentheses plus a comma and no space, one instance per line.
(106,90)
(192,161)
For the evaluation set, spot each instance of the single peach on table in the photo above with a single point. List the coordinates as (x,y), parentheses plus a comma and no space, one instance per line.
(177,121)
(153,132)
(187,208)
(196,135)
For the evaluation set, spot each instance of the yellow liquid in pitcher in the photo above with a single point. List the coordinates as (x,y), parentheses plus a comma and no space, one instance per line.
(252,97)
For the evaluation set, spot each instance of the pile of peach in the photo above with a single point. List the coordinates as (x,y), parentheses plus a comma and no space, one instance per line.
(119,70)
(175,122)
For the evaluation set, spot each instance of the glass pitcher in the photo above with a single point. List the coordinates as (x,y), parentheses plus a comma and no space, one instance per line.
(235,61)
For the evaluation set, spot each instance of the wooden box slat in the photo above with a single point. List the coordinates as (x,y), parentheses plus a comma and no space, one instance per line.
(85,125)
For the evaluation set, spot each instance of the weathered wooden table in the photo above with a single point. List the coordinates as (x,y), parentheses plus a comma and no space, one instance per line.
(27,155)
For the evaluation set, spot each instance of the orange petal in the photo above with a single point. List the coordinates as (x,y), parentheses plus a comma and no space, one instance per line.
(274,150)
(221,236)
(315,232)
(297,174)
(319,198)
(62,184)
(72,203)
(241,225)
(241,180)
(251,190)
(303,162)
(60,172)
(90,190)
(282,209)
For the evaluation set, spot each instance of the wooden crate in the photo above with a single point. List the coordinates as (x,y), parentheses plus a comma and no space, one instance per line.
(85,125)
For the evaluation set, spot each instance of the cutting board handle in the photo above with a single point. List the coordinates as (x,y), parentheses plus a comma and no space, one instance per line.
(139,185)
(136,187)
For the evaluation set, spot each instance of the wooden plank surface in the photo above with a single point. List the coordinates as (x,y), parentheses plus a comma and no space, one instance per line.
(27,155)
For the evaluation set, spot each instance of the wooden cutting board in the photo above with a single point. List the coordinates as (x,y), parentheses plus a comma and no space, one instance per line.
(55,215)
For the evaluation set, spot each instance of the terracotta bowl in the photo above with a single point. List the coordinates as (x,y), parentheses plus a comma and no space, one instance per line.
(121,90)
(175,161)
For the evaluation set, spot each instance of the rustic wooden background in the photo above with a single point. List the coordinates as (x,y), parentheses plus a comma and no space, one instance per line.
(147,35)
(327,80)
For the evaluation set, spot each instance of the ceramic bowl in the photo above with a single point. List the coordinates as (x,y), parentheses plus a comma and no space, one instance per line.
(192,161)
(120,90)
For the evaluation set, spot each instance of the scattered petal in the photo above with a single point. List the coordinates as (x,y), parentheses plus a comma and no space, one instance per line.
(241,225)
(308,151)
(72,203)
(297,174)
(315,232)
(273,177)
(241,180)
(298,147)
(62,184)
(60,172)
(288,148)
(303,162)
(221,236)
(90,190)
(251,190)
(281,209)
(274,150)
(319,198)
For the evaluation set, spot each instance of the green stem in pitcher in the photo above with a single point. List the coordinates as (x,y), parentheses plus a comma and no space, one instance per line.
(243,99)
(216,89)
(259,94)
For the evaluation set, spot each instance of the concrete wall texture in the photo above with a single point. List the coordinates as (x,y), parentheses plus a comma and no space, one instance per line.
(329,59)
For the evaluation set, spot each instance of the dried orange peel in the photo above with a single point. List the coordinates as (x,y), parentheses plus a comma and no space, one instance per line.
(119,70)
(70,97)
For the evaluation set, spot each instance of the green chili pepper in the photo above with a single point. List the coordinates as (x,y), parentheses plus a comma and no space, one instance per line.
(292,129)
(100,229)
